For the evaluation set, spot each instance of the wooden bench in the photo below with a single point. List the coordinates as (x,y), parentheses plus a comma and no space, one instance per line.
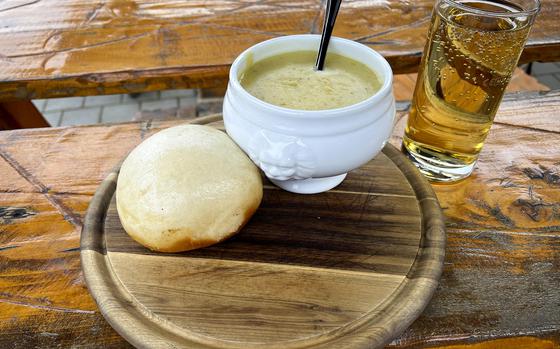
(51,48)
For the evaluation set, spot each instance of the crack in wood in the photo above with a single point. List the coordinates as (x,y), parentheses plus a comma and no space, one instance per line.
(536,208)
(243,30)
(19,6)
(484,340)
(66,212)
(199,21)
(314,29)
(7,213)
(46,307)
(536,129)
(74,249)
(93,13)
(546,231)
(548,175)
(58,193)
(494,211)
(46,240)
(52,53)
(393,30)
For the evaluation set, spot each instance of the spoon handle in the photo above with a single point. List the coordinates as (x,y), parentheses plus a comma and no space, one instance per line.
(328,25)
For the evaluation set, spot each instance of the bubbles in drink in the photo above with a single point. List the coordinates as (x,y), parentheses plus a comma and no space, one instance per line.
(464,71)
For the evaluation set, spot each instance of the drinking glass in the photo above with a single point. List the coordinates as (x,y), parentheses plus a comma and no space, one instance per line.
(472,50)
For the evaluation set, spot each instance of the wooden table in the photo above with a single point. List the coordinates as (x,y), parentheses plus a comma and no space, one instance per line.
(501,282)
(53,48)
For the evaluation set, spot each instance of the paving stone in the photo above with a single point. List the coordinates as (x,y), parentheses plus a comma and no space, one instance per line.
(187,112)
(550,81)
(164,114)
(177,93)
(187,102)
(159,105)
(544,68)
(119,113)
(92,101)
(40,103)
(209,107)
(53,117)
(557,86)
(142,97)
(84,116)
(64,103)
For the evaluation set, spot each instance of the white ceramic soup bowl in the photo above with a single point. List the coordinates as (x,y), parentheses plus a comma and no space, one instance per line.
(305,151)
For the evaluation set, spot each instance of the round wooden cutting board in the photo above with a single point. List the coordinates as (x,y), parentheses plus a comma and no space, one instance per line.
(349,268)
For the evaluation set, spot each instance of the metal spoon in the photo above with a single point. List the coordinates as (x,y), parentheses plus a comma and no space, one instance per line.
(328,25)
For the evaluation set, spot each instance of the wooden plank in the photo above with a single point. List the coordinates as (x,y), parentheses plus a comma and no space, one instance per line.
(403,85)
(78,47)
(360,233)
(20,114)
(345,269)
(502,264)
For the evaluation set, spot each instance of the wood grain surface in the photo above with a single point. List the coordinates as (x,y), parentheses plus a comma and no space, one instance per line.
(499,287)
(349,268)
(53,48)
(403,84)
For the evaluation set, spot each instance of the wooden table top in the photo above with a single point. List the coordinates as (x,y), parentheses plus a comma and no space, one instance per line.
(499,287)
(53,48)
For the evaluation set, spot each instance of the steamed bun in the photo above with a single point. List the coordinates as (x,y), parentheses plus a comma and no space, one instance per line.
(186,187)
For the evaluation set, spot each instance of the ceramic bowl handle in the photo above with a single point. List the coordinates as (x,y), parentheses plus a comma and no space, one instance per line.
(281,157)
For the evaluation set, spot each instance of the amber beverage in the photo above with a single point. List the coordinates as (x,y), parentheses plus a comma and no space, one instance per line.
(472,50)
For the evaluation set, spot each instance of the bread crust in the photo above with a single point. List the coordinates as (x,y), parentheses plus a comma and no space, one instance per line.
(176,193)
(187,243)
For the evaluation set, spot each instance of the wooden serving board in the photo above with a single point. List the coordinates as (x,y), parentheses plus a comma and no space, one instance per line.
(349,268)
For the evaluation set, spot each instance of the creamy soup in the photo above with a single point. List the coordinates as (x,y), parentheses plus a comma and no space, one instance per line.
(289,80)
